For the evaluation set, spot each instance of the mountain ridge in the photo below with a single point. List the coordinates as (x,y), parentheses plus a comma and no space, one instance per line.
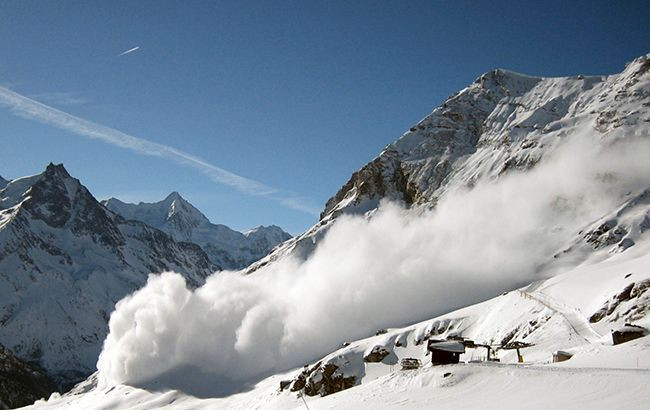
(226,247)
(503,121)
(65,260)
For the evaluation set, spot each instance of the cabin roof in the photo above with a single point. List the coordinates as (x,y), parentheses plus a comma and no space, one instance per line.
(448,346)
(630,329)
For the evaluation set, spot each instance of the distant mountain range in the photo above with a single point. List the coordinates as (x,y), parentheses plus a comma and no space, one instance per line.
(227,248)
(66,259)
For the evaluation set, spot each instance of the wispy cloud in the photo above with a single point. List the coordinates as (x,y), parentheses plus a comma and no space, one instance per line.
(31,109)
(131,50)
(62,98)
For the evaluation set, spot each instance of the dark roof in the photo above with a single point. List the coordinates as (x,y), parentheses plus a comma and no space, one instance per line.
(449,346)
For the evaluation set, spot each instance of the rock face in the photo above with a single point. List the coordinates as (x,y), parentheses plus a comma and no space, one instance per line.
(502,122)
(227,248)
(376,355)
(323,378)
(21,384)
(65,260)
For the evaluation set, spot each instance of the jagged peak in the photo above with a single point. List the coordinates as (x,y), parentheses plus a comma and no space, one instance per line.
(173,206)
(56,170)
(16,190)
(173,196)
(638,66)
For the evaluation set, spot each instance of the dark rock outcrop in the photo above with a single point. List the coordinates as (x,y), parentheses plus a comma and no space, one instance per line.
(21,384)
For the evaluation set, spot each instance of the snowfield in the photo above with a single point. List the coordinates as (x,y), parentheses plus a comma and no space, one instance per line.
(552,315)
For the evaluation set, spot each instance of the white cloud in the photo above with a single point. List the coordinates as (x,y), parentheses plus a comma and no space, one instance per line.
(34,110)
(62,98)
(396,268)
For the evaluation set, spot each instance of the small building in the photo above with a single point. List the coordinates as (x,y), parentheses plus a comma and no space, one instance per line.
(445,352)
(410,363)
(627,333)
(561,356)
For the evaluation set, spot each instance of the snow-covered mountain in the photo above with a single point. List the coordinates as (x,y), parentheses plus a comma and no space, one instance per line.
(65,260)
(226,247)
(592,276)
(502,122)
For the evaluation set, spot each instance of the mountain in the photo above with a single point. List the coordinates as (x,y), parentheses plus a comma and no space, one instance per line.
(65,260)
(3,182)
(501,123)
(593,279)
(226,247)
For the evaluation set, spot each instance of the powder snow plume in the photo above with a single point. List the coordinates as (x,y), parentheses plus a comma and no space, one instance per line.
(397,267)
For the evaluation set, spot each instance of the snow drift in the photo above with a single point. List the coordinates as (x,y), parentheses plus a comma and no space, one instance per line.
(396,267)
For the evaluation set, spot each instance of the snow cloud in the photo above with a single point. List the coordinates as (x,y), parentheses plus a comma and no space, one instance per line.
(395,268)
(34,110)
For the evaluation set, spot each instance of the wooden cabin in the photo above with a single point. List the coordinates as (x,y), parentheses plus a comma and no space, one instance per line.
(445,352)
(627,333)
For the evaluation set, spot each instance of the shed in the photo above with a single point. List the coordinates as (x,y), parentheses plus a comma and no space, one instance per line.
(627,333)
(561,356)
(445,352)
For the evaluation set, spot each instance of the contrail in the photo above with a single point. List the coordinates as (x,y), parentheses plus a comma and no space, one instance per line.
(34,110)
(129,51)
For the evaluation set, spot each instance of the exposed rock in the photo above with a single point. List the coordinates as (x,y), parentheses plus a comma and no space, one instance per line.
(377,354)
(635,293)
(21,384)
(327,379)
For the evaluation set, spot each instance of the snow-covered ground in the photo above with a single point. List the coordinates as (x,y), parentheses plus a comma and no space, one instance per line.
(552,315)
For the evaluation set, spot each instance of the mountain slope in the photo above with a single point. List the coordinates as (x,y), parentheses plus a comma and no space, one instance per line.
(549,315)
(227,248)
(502,122)
(65,260)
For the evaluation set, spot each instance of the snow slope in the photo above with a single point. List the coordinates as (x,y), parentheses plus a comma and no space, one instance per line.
(551,315)
(65,261)
(227,248)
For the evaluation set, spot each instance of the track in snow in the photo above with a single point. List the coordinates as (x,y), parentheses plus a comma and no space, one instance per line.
(578,323)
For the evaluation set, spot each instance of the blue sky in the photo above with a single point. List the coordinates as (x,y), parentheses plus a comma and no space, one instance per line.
(293,96)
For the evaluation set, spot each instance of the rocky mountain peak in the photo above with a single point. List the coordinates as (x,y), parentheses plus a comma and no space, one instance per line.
(56,170)
(178,218)
(65,261)
(502,122)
